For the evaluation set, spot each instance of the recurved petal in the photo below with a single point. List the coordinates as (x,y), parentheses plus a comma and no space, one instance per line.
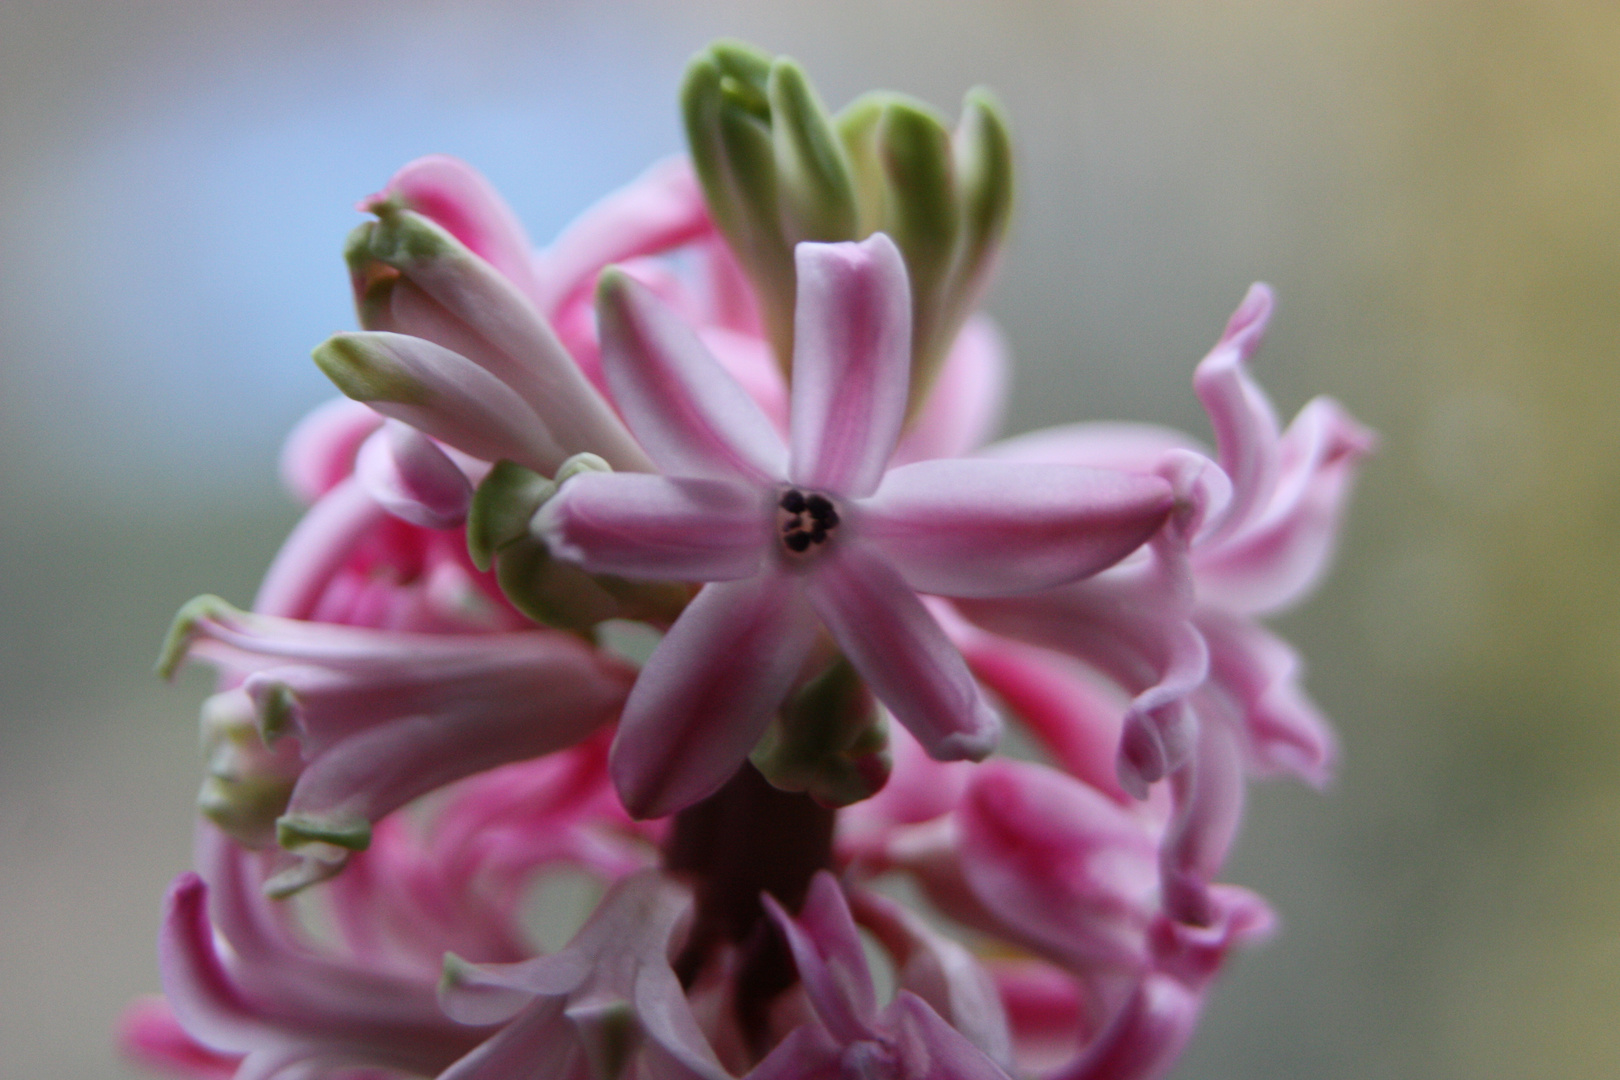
(1145,1036)
(972,527)
(831,963)
(704,697)
(935,1050)
(643,526)
(1276,556)
(442,394)
(1246,429)
(851,363)
(689,415)
(319,452)
(902,653)
(455,196)
(412,478)
(200,991)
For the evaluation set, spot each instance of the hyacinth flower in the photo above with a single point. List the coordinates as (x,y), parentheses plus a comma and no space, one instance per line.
(818,530)
(743,401)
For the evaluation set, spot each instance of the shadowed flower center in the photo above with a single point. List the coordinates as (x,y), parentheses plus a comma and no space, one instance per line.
(806,519)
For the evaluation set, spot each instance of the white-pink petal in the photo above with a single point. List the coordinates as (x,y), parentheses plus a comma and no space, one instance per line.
(709,689)
(673,528)
(412,478)
(972,527)
(851,363)
(965,406)
(690,416)
(901,652)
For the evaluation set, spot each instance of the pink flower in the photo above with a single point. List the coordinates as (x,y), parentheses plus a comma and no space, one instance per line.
(849,1037)
(820,528)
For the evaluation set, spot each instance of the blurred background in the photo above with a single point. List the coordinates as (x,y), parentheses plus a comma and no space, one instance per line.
(1434,189)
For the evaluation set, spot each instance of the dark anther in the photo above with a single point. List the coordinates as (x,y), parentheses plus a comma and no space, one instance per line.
(794,501)
(800,541)
(805,519)
(818,506)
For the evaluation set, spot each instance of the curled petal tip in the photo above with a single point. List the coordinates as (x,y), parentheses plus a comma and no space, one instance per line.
(1247,326)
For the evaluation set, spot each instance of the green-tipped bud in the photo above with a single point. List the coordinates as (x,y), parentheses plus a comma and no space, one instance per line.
(246,783)
(183,631)
(772,167)
(364,370)
(579,464)
(829,741)
(776,170)
(548,591)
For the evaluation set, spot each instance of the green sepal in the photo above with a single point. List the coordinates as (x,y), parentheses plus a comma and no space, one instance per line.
(829,741)
(183,630)
(278,708)
(502,506)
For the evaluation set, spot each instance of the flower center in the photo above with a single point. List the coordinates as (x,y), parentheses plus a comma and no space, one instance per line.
(806,519)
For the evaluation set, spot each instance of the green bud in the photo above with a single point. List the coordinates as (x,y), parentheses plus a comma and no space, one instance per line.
(776,171)
(347,832)
(502,508)
(247,783)
(829,741)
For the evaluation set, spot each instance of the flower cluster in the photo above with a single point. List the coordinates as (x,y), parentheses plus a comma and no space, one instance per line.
(740,408)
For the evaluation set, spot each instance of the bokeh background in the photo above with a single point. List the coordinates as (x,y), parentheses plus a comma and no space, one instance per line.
(1434,189)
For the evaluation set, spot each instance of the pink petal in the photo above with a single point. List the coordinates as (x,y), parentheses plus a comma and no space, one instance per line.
(931,1048)
(149,1034)
(840,992)
(1246,429)
(319,545)
(412,478)
(1259,674)
(970,527)
(704,697)
(851,363)
(1065,871)
(1209,794)
(690,416)
(445,395)
(319,452)
(376,771)
(1277,556)
(902,653)
(199,990)
(661,209)
(643,526)
(965,406)
(540,1042)
(1131,447)
(1144,1038)
(456,196)
(462,304)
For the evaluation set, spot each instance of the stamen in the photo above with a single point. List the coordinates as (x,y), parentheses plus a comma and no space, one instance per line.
(806,519)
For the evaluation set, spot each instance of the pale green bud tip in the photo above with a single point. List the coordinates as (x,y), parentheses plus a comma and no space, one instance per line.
(278,706)
(183,630)
(582,463)
(297,830)
(502,507)
(366,371)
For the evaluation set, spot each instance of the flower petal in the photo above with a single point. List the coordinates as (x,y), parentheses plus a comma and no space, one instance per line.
(902,653)
(971,527)
(317,548)
(965,406)
(708,691)
(412,478)
(1145,1036)
(851,363)
(442,394)
(455,196)
(688,414)
(319,452)
(831,963)
(1246,428)
(643,526)
(1274,558)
